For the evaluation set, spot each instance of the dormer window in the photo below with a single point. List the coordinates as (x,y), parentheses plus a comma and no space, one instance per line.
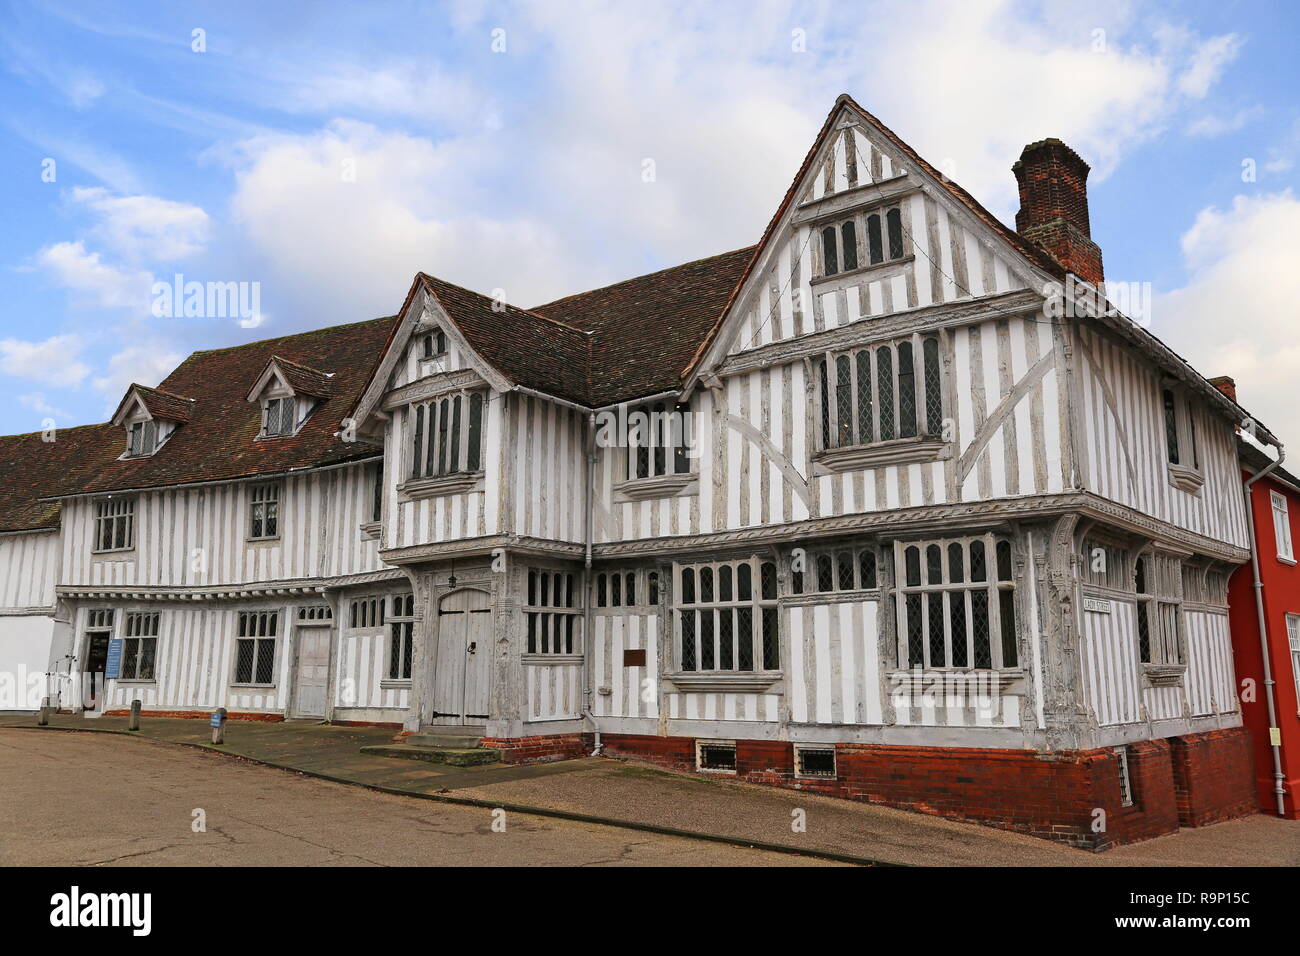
(149,416)
(279,416)
(142,439)
(288,393)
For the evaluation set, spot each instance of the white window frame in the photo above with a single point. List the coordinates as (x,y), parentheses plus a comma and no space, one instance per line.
(259,627)
(1281,512)
(434,426)
(553,614)
(273,422)
(691,638)
(1159,609)
(401,638)
(953,586)
(141,438)
(862,253)
(1182,440)
(115,513)
(140,631)
(1293,643)
(661,435)
(838,377)
(264,509)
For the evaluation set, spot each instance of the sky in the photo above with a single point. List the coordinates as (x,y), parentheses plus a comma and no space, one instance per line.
(319,155)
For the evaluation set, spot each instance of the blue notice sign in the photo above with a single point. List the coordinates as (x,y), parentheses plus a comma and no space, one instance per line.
(216,720)
(113,666)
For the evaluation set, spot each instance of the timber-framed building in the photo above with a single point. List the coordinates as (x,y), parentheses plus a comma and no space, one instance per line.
(884,506)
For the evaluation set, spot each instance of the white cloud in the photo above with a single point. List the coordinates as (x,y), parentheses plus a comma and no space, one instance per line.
(52,362)
(37,402)
(99,283)
(145,227)
(343,219)
(1207,64)
(1236,315)
(1211,124)
(136,364)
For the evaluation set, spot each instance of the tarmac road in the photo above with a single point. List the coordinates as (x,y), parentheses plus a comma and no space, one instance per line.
(102,800)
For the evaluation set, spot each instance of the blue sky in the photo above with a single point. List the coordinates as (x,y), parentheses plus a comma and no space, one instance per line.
(328,151)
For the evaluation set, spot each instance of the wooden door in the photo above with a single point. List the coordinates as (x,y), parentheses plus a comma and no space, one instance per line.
(96,661)
(460,675)
(311,671)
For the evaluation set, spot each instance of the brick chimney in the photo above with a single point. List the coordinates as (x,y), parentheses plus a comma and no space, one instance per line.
(1053,182)
(1226,385)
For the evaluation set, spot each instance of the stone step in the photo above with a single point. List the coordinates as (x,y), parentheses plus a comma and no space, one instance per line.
(451,756)
(443,741)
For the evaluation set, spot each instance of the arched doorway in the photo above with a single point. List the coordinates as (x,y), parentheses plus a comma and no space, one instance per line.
(462,666)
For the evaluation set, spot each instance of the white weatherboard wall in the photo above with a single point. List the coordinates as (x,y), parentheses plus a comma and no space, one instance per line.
(195,661)
(29,568)
(1124,446)
(1114,685)
(745,482)
(834,663)
(613,633)
(361,667)
(199,536)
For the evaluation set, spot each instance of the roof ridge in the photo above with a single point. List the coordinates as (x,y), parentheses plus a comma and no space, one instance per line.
(62,428)
(516,308)
(162,391)
(291,335)
(646,275)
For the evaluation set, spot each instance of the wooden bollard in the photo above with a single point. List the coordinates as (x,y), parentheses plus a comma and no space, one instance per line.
(219,726)
(134,722)
(43,715)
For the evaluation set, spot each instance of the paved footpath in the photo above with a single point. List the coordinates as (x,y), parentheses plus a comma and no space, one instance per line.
(626,793)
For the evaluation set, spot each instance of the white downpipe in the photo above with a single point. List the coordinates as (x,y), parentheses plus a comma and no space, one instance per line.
(1275,743)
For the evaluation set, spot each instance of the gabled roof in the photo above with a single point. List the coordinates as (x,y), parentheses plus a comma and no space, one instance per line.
(532,350)
(157,403)
(220,440)
(301,378)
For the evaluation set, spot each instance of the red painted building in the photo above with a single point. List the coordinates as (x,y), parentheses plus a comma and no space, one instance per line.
(1275,512)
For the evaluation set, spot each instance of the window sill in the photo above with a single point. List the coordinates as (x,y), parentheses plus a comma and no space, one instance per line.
(923,680)
(371,529)
(1289,561)
(253,686)
(898,451)
(136,681)
(725,682)
(885,266)
(114,553)
(441,485)
(1164,675)
(395,683)
(1186,479)
(544,659)
(661,486)
(272,539)
(831,597)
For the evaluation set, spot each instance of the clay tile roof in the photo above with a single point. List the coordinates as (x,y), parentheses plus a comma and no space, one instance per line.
(532,350)
(220,439)
(34,468)
(162,404)
(645,330)
(304,380)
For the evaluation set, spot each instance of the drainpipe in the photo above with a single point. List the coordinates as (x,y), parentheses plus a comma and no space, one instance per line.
(586,580)
(1275,736)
